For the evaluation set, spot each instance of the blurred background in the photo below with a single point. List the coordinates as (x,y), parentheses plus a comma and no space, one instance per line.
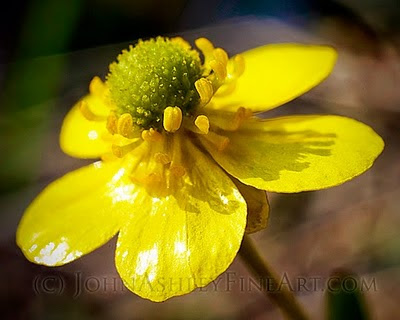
(50,50)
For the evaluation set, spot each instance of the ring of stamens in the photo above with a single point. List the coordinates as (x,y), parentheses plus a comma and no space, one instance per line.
(162,163)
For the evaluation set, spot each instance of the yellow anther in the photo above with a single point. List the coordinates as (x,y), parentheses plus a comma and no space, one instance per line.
(150,180)
(87,113)
(202,123)
(205,46)
(221,56)
(172,119)
(162,158)
(241,115)
(238,65)
(111,125)
(177,170)
(247,113)
(125,125)
(221,142)
(182,42)
(229,121)
(153,178)
(151,135)
(205,89)
(117,151)
(219,69)
(97,87)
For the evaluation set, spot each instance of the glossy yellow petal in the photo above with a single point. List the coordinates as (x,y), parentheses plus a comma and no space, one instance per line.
(299,153)
(184,240)
(257,207)
(277,73)
(81,137)
(75,214)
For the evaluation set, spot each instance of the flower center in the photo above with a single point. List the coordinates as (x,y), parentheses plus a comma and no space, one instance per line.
(152,76)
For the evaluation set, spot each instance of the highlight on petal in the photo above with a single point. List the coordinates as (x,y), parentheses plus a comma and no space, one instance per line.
(184,240)
(81,137)
(277,73)
(75,214)
(257,207)
(299,153)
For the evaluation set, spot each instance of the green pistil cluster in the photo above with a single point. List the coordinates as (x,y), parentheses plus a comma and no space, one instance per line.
(153,75)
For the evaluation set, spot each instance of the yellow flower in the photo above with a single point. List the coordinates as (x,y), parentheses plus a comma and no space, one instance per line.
(185,160)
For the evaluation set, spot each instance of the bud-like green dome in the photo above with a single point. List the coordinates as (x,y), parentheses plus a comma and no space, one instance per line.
(153,75)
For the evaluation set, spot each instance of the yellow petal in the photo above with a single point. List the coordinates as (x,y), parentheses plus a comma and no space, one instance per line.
(257,207)
(299,153)
(277,73)
(176,243)
(75,214)
(82,138)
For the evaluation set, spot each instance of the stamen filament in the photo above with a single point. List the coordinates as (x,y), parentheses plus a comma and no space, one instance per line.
(176,167)
(121,151)
(89,114)
(109,156)
(149,173)
(229,121)
(221,142)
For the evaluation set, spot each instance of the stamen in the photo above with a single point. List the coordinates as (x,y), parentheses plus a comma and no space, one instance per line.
(238,65)
(89,114)
(162,158)
(229,121)
(153,178)
(178,170)
(125,125)
(112,123)
(206,47)
(219,69)
(97,87)
(107,136)
(205,89)
(221,56)
(150,174)
(172,119)
(241,115)
(186,45)
(151,135)
(176,167)
(221,142)
(150,180)
(202,123)
(235,69)
(121,151)
(109,156)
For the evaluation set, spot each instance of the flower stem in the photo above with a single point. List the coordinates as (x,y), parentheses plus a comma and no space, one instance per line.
(280,295)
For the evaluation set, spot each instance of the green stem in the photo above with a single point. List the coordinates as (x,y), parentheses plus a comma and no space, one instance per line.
(280,295)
